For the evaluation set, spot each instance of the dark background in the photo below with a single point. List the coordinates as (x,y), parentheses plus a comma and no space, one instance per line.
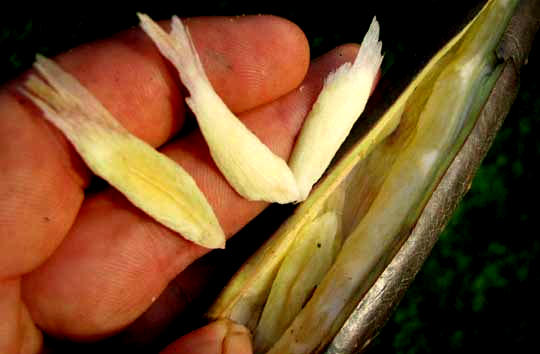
(477,290)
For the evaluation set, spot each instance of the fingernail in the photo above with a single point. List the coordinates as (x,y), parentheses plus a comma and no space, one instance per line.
(237,340)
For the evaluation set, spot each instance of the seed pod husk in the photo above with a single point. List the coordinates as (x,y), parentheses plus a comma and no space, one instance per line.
(407,151)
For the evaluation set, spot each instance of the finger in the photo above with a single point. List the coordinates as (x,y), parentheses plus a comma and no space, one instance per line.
(262,57)
(18,334)
(177,302)
(220,337)
(114,247)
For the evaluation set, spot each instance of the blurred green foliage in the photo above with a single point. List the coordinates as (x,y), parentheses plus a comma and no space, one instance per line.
(477,291)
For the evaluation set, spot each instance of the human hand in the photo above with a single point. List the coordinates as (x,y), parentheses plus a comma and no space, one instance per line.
(85,267)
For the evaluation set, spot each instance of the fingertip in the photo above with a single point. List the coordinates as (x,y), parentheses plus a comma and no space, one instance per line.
(237,340)
(220,337)
(271,57)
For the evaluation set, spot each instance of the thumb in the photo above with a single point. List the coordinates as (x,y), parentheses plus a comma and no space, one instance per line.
(220,337)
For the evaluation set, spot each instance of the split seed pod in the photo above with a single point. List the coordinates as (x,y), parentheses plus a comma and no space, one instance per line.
(388,177)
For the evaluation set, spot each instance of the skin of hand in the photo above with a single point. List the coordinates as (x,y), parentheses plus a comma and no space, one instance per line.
(85,267)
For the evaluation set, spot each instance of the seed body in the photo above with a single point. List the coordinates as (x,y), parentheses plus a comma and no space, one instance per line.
(150,180)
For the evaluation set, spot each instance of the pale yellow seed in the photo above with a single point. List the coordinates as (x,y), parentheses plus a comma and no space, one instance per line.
(149,179)
(249,166)
(338,106)
(304,266)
